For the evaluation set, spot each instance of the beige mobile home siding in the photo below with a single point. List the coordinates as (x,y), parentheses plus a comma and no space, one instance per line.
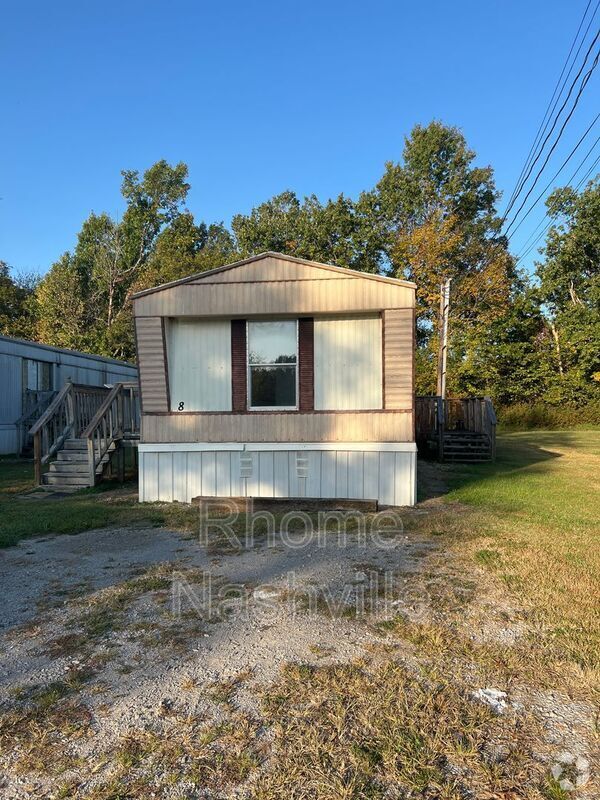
(398,344)
(287,297)
(273,286)
(151,364)
(368,426)
(265,269)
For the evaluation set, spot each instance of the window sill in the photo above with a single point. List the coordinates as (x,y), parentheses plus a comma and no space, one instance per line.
(273,408)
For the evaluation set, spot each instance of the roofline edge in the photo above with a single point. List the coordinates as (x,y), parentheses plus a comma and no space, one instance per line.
(271,254)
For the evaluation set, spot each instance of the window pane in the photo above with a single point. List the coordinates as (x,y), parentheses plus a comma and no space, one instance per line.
(272,386)
(272,342)
(31,375)
(45,376)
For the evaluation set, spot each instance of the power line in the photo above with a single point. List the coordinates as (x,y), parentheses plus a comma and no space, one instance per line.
(549,111)
(554,124)
(526,252)
(557,173)
(584,83)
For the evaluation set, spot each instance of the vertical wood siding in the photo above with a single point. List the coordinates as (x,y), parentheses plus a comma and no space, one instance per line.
(306,365)
(398,344)
(151,364)
(239,375)
(348,363)
(199,364)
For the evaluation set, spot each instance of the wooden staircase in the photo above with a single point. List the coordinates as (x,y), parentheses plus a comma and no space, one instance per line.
(70,471)
(466,446)
(83,434)
(459,429)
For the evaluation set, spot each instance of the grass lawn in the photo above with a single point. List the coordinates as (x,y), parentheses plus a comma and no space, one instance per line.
(103,506)
(533,519)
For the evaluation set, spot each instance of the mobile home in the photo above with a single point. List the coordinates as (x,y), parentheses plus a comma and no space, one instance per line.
(31,371)
(277,377)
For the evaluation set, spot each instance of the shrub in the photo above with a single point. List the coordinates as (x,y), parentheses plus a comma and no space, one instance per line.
(523,416)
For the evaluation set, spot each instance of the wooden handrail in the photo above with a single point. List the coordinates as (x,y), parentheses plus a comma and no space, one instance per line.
(49,412)
(22,425)
(95,421)
(67,415)
(116,419)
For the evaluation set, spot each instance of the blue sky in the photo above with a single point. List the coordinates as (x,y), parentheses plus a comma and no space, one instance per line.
(258,97)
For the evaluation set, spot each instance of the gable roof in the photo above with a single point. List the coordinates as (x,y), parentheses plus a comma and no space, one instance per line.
(347,273)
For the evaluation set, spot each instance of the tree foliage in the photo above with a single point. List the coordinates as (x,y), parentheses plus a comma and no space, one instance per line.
(570,290)
(16,296)
(431,216)
(339,232)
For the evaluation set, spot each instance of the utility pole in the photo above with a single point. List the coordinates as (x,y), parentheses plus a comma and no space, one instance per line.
(443,328)
(442,357)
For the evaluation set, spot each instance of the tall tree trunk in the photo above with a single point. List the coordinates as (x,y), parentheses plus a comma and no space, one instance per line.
(557,347)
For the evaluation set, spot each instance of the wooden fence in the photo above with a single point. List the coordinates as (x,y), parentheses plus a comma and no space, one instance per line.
(435,417)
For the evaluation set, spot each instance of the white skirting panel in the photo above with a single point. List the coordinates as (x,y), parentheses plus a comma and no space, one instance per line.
(365,471)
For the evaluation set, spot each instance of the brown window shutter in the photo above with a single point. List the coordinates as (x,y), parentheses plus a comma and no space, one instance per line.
(238,365)
(306,366)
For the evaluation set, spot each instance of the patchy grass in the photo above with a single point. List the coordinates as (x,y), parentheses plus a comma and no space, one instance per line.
(107,611)
(224,692)
(39,726)
(187,751)
(361,731)
(106,505)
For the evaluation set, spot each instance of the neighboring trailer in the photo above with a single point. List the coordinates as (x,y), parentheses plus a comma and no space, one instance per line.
(277,377)
(30,371)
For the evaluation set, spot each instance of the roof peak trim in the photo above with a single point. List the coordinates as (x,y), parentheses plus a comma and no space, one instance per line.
(271,254)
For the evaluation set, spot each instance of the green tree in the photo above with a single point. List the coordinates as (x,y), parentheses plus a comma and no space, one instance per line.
(184,248)
(436,212)
(15,303)
(570,291)
(60,308)
(107,264)
(338,232)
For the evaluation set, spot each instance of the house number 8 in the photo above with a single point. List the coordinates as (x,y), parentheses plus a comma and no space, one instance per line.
(180,407)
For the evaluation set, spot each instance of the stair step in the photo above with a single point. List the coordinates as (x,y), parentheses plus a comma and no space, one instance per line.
(75,444)
(466,449)
(61,488)
(68,467)
(60,479)
(72,456)
(451,460)
(465,441)
(466,452)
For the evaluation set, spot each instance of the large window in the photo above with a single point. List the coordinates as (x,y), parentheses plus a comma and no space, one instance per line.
(272,364)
